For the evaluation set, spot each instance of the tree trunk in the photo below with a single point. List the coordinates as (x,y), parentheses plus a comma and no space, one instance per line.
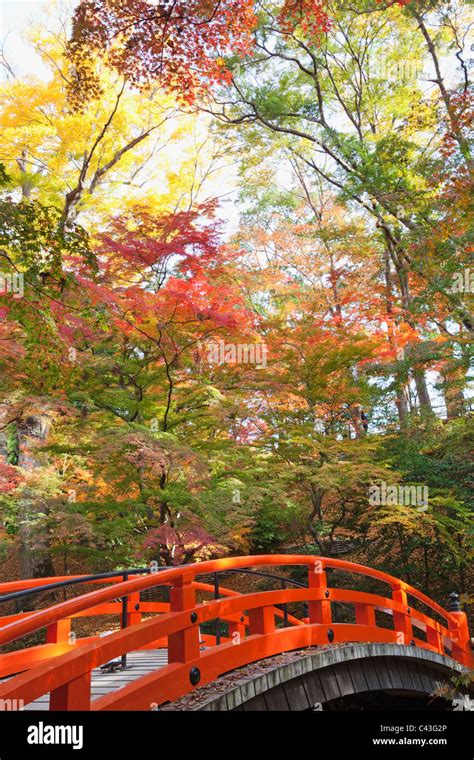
(453,396)
(402,406)
(453,373)
(424,400)
(34,540)
(401,398)
(316,495)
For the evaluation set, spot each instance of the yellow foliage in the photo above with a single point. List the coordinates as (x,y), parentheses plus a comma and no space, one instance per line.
(127,148)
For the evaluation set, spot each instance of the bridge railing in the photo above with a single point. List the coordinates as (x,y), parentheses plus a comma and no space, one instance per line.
(128,610)
(252,619)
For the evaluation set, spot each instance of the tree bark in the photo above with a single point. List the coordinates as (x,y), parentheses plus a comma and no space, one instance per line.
(424,400)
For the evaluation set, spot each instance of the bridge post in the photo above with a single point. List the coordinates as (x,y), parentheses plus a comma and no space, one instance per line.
(58,632)
(183,645)
(237,629)
(434,637)
(319,611)
(402,620)
(262,620)
(74,695)
(134,615)
(459,632)
(365,615)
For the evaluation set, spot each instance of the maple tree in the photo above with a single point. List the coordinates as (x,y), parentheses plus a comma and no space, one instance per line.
(180,44)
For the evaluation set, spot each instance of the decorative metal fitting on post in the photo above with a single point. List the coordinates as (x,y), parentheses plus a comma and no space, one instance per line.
(194,676)
(194,617)
(454,604)
(330,635)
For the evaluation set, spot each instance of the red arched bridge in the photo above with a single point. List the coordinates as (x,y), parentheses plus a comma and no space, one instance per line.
(200,630)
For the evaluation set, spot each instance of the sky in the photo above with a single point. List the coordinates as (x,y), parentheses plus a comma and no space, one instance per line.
(15,18)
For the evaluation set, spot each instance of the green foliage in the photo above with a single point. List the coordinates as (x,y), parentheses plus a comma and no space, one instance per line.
(13,444)
(35,239)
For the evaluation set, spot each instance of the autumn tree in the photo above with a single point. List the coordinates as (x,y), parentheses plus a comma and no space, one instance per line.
(342,110)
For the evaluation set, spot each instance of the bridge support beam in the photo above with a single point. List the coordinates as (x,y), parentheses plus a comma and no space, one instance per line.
(461,650)
(262,620)
(59,632)
(313,681)
(184,645)
(74,695)
(319,611)
(134,615)
(365,615)
(402,620)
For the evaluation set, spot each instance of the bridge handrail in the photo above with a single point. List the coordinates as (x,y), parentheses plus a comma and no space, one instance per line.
(24,588)
(20,589)
(42,618)
(67,677)
(129,608)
